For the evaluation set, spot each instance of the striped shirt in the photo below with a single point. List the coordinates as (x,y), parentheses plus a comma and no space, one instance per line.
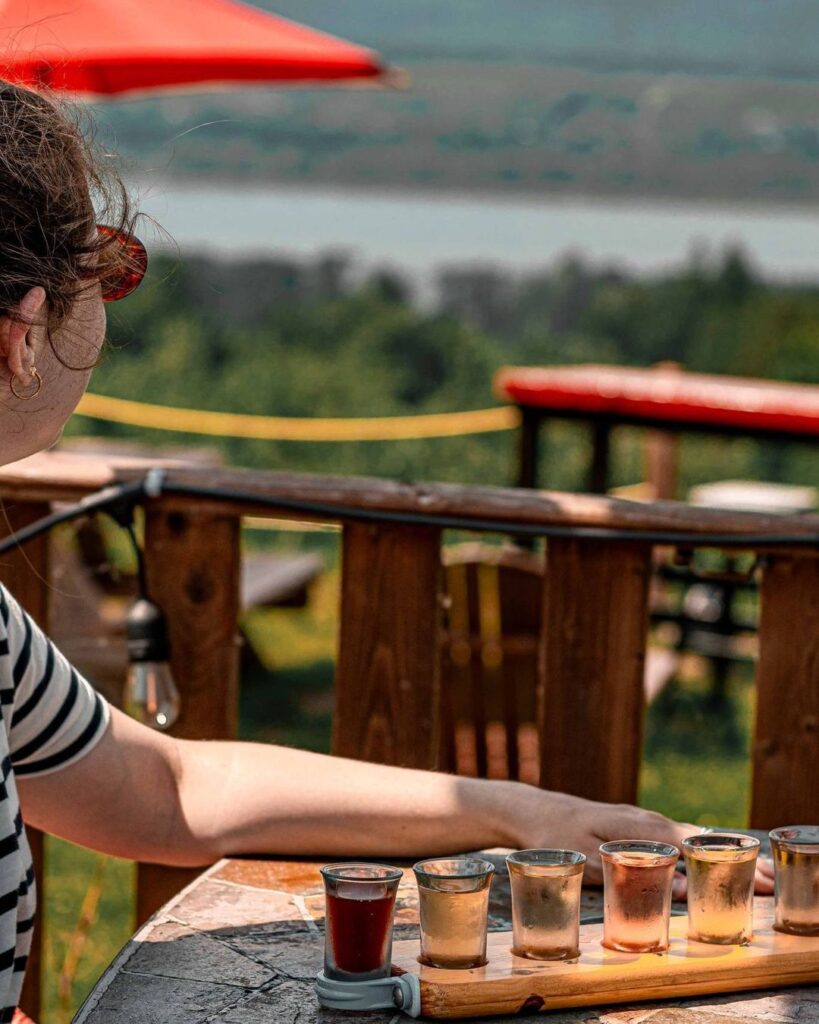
(51,718)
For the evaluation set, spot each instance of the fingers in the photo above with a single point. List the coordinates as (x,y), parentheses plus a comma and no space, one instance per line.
(625,822)
(593,872)
(683,831)
(679,886)
(764,879)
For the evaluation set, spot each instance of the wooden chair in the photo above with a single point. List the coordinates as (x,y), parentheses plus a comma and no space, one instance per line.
(489,662)
(490,649)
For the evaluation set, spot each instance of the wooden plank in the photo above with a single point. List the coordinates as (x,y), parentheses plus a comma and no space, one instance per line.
(786,746)
(387,677)
(520,583)
(456,655)
(601,977)
(480,680)
(55,475)
(192,563)
(25,571)
(595,616)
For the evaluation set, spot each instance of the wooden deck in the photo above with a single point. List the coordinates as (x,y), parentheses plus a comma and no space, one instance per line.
(390,705)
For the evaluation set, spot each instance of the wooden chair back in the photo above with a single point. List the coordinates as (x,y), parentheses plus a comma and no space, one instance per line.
(489,662)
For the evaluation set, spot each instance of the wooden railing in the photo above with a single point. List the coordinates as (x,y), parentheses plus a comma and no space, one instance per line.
(388,699)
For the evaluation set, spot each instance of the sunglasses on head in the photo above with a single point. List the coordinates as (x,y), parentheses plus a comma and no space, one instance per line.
(122,263)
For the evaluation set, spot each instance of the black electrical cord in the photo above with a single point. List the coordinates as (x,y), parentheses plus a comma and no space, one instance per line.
(120,499)
(126,495)
(140,561)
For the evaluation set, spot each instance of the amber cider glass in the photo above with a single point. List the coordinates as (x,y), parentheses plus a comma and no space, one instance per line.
(795,852)
(720,868)
(637,877)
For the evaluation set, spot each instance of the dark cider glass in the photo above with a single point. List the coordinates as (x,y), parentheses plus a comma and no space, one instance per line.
(359,908)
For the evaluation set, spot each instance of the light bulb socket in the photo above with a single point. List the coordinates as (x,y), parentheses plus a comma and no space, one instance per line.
(147,633)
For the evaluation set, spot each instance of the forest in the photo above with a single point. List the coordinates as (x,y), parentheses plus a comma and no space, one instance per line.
(315,339)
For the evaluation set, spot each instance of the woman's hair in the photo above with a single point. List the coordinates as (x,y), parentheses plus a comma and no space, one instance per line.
(54,187)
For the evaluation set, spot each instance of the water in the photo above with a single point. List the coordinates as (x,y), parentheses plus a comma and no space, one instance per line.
(421,232)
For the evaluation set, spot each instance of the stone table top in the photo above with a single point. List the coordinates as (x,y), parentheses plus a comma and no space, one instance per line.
(244,942)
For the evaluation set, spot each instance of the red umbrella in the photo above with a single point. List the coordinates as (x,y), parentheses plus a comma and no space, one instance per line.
(107,47)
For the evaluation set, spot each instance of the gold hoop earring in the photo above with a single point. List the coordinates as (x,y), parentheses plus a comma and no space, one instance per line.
(34,373)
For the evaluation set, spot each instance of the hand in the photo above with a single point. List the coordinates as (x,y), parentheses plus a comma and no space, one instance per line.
(578,824)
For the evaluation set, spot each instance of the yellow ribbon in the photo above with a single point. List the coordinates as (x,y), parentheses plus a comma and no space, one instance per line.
(285,428)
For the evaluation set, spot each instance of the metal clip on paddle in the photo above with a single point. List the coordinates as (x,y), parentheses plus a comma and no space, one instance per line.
(402,992)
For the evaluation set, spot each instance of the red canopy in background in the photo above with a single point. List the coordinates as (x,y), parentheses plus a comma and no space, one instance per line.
(109,47)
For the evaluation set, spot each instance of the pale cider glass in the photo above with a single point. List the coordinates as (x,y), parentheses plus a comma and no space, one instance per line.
(453,903)
(546,903)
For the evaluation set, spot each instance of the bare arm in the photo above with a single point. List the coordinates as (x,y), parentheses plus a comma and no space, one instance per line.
(143,795)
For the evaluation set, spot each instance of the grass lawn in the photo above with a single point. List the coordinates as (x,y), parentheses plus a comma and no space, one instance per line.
(695,768)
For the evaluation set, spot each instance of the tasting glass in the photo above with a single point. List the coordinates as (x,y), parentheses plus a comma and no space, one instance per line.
(454,908)
(546,903)
(360,903)
(796,868)
(720,868)
(637,877)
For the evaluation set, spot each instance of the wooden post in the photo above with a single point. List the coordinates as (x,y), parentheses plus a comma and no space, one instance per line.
(595,619)
(193,563)
(598,482)
(24,571)
(387,678)
(528,446)
(662,450)
(662,456)
(786,746)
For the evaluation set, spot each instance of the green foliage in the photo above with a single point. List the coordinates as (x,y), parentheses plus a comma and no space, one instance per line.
(69,872)
(308,339)
(696,764)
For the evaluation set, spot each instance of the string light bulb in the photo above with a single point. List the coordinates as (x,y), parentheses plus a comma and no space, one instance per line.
(151,696)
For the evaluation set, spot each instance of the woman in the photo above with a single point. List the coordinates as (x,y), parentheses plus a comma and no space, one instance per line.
(83,770)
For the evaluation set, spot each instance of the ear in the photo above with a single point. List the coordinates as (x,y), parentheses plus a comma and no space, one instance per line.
(16,345)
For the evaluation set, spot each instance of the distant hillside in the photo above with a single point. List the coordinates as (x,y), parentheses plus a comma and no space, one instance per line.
(713,99)
(741,37)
